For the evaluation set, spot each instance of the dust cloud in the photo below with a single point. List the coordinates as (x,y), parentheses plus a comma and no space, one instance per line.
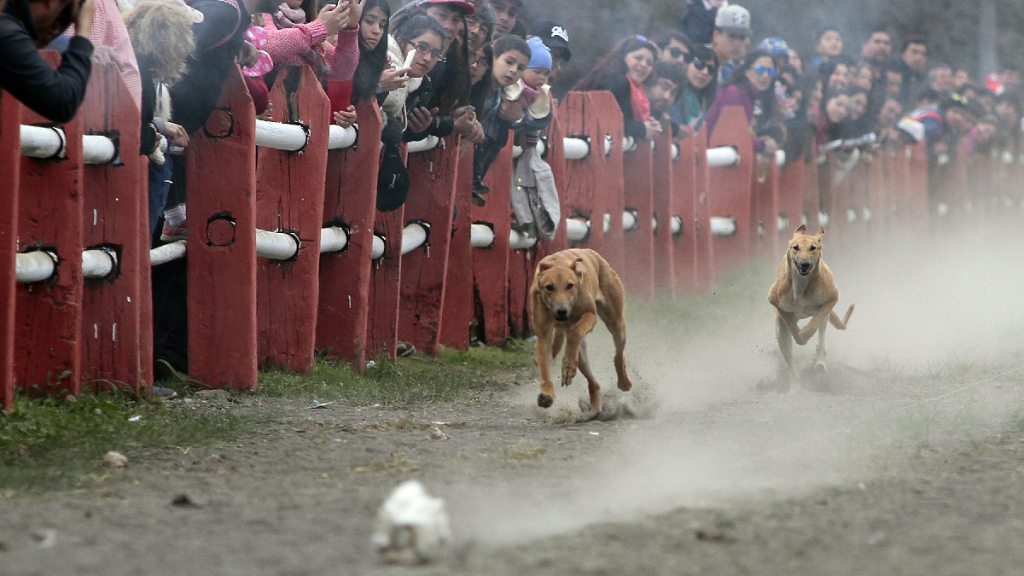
(932,342)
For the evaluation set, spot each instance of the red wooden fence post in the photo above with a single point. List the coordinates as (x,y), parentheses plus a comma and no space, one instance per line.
(729,189)
(519,264)
(665,210)
(10,165)
(433,175)
(917,190)
(764,207)
(490,265)
(385,286)
(459,308)
(878,196)
(811,196)
(221,164)
(583,194)
(638,241)
(112,193)
(705,263)
(684,202)
(289,198)
(609,118)
(350,203)
(48,315)
(791,202)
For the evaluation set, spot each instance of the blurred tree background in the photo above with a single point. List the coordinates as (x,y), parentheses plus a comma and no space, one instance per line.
(950,27)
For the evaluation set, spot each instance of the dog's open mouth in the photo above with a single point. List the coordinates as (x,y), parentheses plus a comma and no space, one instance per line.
(803,272)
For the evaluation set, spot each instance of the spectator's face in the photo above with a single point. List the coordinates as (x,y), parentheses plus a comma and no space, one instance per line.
(865,78)
(761,73)
(960,119)
(557,60)
(942,79)
(890,113)
(729,45)
(675,52)
(449,18)
(639,64)
(509,67)
(536,77)
(429,47)
(662,94)
(961,77)
(479,66)
(837,108)
(1007,113)
(858,104)
(52,18)
(795,61)
(916,56)
(839,77)
(830,44)
(894,83)
(878,48)
(700,73)
(507,16)
(477,33)
(371,27)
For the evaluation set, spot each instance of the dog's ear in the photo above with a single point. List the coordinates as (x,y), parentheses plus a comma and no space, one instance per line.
(820,233)
(545,265)
(800,230)
(577,268)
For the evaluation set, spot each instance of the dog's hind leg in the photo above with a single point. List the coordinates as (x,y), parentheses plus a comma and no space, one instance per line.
(840,324)
(616,323)
(785,339)
(592,386)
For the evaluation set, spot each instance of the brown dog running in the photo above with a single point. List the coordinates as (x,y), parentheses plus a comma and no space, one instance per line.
(804,288)
(571,290)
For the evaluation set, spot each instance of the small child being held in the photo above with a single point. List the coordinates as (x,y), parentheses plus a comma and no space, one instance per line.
(511,57)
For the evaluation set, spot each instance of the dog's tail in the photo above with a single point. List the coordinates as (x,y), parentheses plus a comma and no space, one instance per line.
(840,324)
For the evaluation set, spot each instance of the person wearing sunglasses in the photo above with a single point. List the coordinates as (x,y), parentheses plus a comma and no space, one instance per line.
(700,89)
(674,47)
(752,87)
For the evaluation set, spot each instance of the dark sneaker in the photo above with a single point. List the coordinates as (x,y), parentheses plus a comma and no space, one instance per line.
(164,393)
(478,200)
(174,233)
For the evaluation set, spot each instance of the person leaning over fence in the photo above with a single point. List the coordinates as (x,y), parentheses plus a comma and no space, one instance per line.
(24,27)
(504,109)
(623,72)
(111,44)
(675,46)
(752,87)
(699,91)
(298,43)
(556,38)
(663,89)
(828,44)
(161,36)
(731,38)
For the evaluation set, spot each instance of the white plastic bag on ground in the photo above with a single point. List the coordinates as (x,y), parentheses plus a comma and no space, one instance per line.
(412,526)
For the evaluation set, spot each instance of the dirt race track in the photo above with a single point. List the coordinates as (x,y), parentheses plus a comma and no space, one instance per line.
(907,458)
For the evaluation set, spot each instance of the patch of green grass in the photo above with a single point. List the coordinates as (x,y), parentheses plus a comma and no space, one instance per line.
(49,444)
(419,379)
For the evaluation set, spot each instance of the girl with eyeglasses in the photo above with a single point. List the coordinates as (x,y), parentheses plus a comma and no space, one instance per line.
(425,37)
(623,72)
(699,91)
(752,86)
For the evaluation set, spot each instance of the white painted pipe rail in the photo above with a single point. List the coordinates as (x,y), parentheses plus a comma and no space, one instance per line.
(38,266)
(98,149)
(629,222)
(723,225)
(628,145)
(677,225)
(414,235)
(276,245)
(167,252)
(783,223)
(481,236)
(576,229)
(340,138)
(780,157)
(428,143)
(41,142)
(722,157)
(542,148)
(607,224)
(575,148)
(520,240)
(280,136)
(851,215)
(822,218)
(333,239)
(377,250)
(98,263)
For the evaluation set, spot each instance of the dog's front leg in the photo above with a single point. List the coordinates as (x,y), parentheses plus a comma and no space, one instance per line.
(794,329)
(818,321)
(542,357)
(573,337)
(785,339)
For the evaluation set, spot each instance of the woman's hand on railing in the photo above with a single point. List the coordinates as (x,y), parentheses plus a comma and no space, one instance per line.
(176,134)
(345,118)
(770,145)
(652,127)
(510,111)
(420,119)
(467,125)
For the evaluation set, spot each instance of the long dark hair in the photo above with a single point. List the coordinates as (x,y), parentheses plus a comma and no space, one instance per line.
(371,62)
(615,62)
(705,95)
(739,78)
(454,80)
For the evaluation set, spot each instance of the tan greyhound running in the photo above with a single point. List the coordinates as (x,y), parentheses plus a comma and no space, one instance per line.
(804,288)
(571,290)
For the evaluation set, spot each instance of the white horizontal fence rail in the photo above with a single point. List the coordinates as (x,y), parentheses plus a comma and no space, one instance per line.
(428,143)
(723,157)
(333,239)
(414,235)
(41,265)
(723,225)
(292,137)
(577,229)
(277,245)
(45,143)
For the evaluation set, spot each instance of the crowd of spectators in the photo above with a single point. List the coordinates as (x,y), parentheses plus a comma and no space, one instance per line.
(483,68)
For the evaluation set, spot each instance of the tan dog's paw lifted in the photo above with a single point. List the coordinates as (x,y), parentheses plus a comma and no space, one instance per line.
(571,290)
(804,288)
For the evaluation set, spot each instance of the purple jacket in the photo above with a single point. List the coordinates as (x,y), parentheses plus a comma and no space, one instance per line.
(734,95)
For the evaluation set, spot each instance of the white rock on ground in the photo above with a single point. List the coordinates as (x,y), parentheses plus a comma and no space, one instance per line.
(412,526)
